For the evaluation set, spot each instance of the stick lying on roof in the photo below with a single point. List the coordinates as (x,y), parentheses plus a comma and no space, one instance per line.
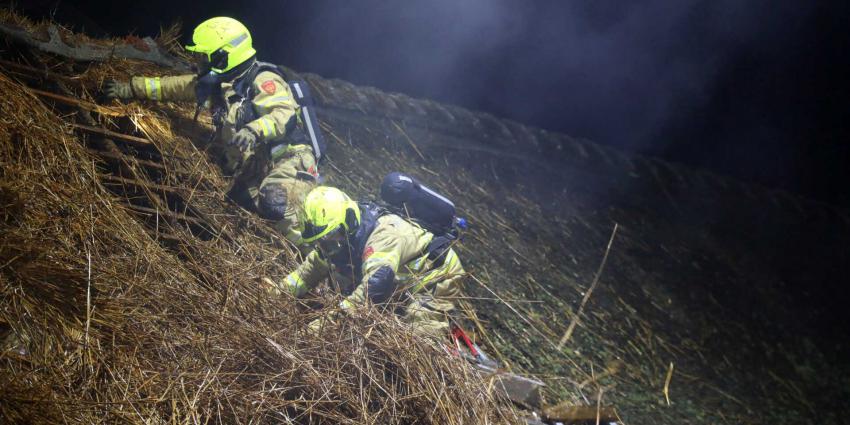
(150,51)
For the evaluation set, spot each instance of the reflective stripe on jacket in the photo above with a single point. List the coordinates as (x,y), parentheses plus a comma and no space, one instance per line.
(274,105)
(397,244)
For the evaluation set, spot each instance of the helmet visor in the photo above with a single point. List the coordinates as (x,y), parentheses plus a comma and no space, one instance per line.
(215,61)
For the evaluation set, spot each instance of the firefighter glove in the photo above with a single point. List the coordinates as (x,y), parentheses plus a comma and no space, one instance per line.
(118,90)
(330,319)
(244,139)
(316,325)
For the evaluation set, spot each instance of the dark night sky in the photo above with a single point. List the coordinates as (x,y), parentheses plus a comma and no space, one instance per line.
(754,89)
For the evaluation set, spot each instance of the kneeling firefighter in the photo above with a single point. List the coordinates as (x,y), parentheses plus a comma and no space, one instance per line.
(374,257)
(272,135)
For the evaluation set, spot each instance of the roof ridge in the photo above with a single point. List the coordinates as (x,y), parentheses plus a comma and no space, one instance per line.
(506,133)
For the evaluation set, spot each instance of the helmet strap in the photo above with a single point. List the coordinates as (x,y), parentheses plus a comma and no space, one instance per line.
(351,220)
(238,71)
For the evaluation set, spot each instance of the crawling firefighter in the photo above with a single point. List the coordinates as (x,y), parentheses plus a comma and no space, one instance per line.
(377,257)
(253,110)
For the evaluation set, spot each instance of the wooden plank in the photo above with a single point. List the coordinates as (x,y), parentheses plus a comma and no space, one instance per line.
(152,186)
(102,110)
(199,218)
(31,72)
(169,213)
(113,135)
(86,52)
(567,414)
(518,389)
(128,158)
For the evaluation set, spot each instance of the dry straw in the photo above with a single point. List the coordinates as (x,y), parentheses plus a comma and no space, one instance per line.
(111,315)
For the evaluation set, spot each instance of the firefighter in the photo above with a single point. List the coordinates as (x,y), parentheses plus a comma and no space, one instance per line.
(254,113)
(376,257)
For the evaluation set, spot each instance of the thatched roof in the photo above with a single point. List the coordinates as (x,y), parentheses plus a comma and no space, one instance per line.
(130,285)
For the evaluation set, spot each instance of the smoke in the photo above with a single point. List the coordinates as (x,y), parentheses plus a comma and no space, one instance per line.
(734,86)
(435,49)
(615,72)
(692,80)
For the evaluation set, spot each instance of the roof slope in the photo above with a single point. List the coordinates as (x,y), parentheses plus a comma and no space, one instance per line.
(694,299)
(130,285)
(734,287)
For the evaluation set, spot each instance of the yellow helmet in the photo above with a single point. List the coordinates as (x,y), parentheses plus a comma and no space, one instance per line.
(326,209)
(225,42)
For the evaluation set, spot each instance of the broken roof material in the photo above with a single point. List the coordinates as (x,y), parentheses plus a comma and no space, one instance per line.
(130,285)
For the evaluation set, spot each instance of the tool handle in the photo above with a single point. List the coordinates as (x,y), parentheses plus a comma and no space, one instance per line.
(458,333)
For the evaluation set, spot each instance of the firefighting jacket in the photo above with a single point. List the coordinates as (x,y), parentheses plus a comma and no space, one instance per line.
(273,105)
(387,255)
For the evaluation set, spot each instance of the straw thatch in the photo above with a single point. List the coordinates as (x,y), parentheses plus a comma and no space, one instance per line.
(692,320)
(130,292)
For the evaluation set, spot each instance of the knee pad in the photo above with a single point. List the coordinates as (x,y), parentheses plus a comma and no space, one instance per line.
(272,205)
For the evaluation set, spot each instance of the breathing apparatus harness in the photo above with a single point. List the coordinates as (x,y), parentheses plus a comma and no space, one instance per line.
(208,88)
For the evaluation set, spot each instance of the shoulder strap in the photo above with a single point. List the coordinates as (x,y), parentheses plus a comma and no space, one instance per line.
(302,96)
(244,84)
(401,212)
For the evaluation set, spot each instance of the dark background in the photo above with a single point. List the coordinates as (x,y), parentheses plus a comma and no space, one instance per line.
(754,89)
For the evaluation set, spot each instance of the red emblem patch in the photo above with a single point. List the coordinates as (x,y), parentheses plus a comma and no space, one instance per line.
(269,87)
(368,252)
